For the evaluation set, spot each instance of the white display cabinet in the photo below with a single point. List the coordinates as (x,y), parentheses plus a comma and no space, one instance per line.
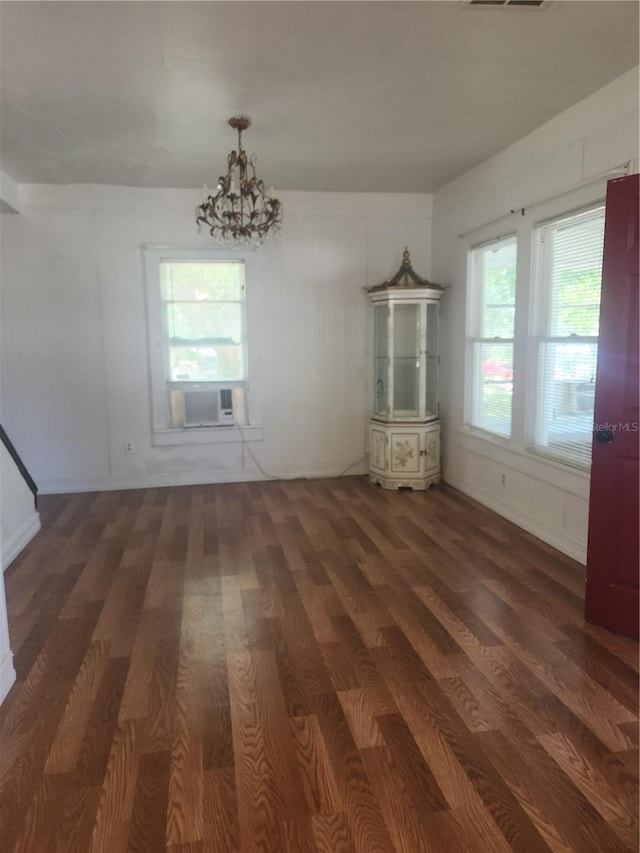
(404,433)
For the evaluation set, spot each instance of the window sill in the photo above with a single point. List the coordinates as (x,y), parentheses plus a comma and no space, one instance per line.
(554,461)
(487,435)
(207,435)
(575,481)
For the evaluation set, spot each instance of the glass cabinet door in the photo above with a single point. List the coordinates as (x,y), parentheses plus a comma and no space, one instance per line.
(380,358)
(431,365)
(406,360)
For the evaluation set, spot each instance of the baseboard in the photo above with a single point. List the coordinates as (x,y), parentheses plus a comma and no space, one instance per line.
(7,676)
(197,478)
(19,540)
(551,535)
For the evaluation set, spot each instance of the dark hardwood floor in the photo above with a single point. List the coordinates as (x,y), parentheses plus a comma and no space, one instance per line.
(309,666)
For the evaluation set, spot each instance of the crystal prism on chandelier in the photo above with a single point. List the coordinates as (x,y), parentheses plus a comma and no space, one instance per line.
(241,213)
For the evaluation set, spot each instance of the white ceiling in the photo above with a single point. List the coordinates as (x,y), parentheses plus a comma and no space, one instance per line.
(357,96)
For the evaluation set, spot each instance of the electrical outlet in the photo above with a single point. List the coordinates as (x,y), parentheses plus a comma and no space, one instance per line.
(128,447)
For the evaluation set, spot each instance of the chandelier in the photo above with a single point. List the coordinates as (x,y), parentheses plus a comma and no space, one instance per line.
(241,213)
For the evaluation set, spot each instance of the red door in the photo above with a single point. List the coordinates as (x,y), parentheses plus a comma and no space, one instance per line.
(612,552)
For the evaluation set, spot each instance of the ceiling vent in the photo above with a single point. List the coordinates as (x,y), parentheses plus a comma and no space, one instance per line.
(504,4)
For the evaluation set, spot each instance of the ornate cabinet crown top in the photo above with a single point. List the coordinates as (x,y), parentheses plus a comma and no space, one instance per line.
(405,277)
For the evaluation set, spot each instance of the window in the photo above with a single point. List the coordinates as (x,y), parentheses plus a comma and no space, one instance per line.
(204,335)
(566,308)
(198,341)
(203,311)
(491,333)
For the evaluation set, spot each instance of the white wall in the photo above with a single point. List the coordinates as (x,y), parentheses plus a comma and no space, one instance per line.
(19,521)
(9,194)
(7,671)
(74,360)
(562,163)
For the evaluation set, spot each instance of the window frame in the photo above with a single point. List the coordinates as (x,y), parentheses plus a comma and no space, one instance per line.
(541,320)
(243,325)
(474,338)
(160,381)
(515,452)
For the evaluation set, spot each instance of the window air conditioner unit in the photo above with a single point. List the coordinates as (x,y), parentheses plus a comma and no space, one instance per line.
(206,406)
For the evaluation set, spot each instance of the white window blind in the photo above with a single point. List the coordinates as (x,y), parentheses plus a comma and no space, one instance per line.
(567,281)
(491,331)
